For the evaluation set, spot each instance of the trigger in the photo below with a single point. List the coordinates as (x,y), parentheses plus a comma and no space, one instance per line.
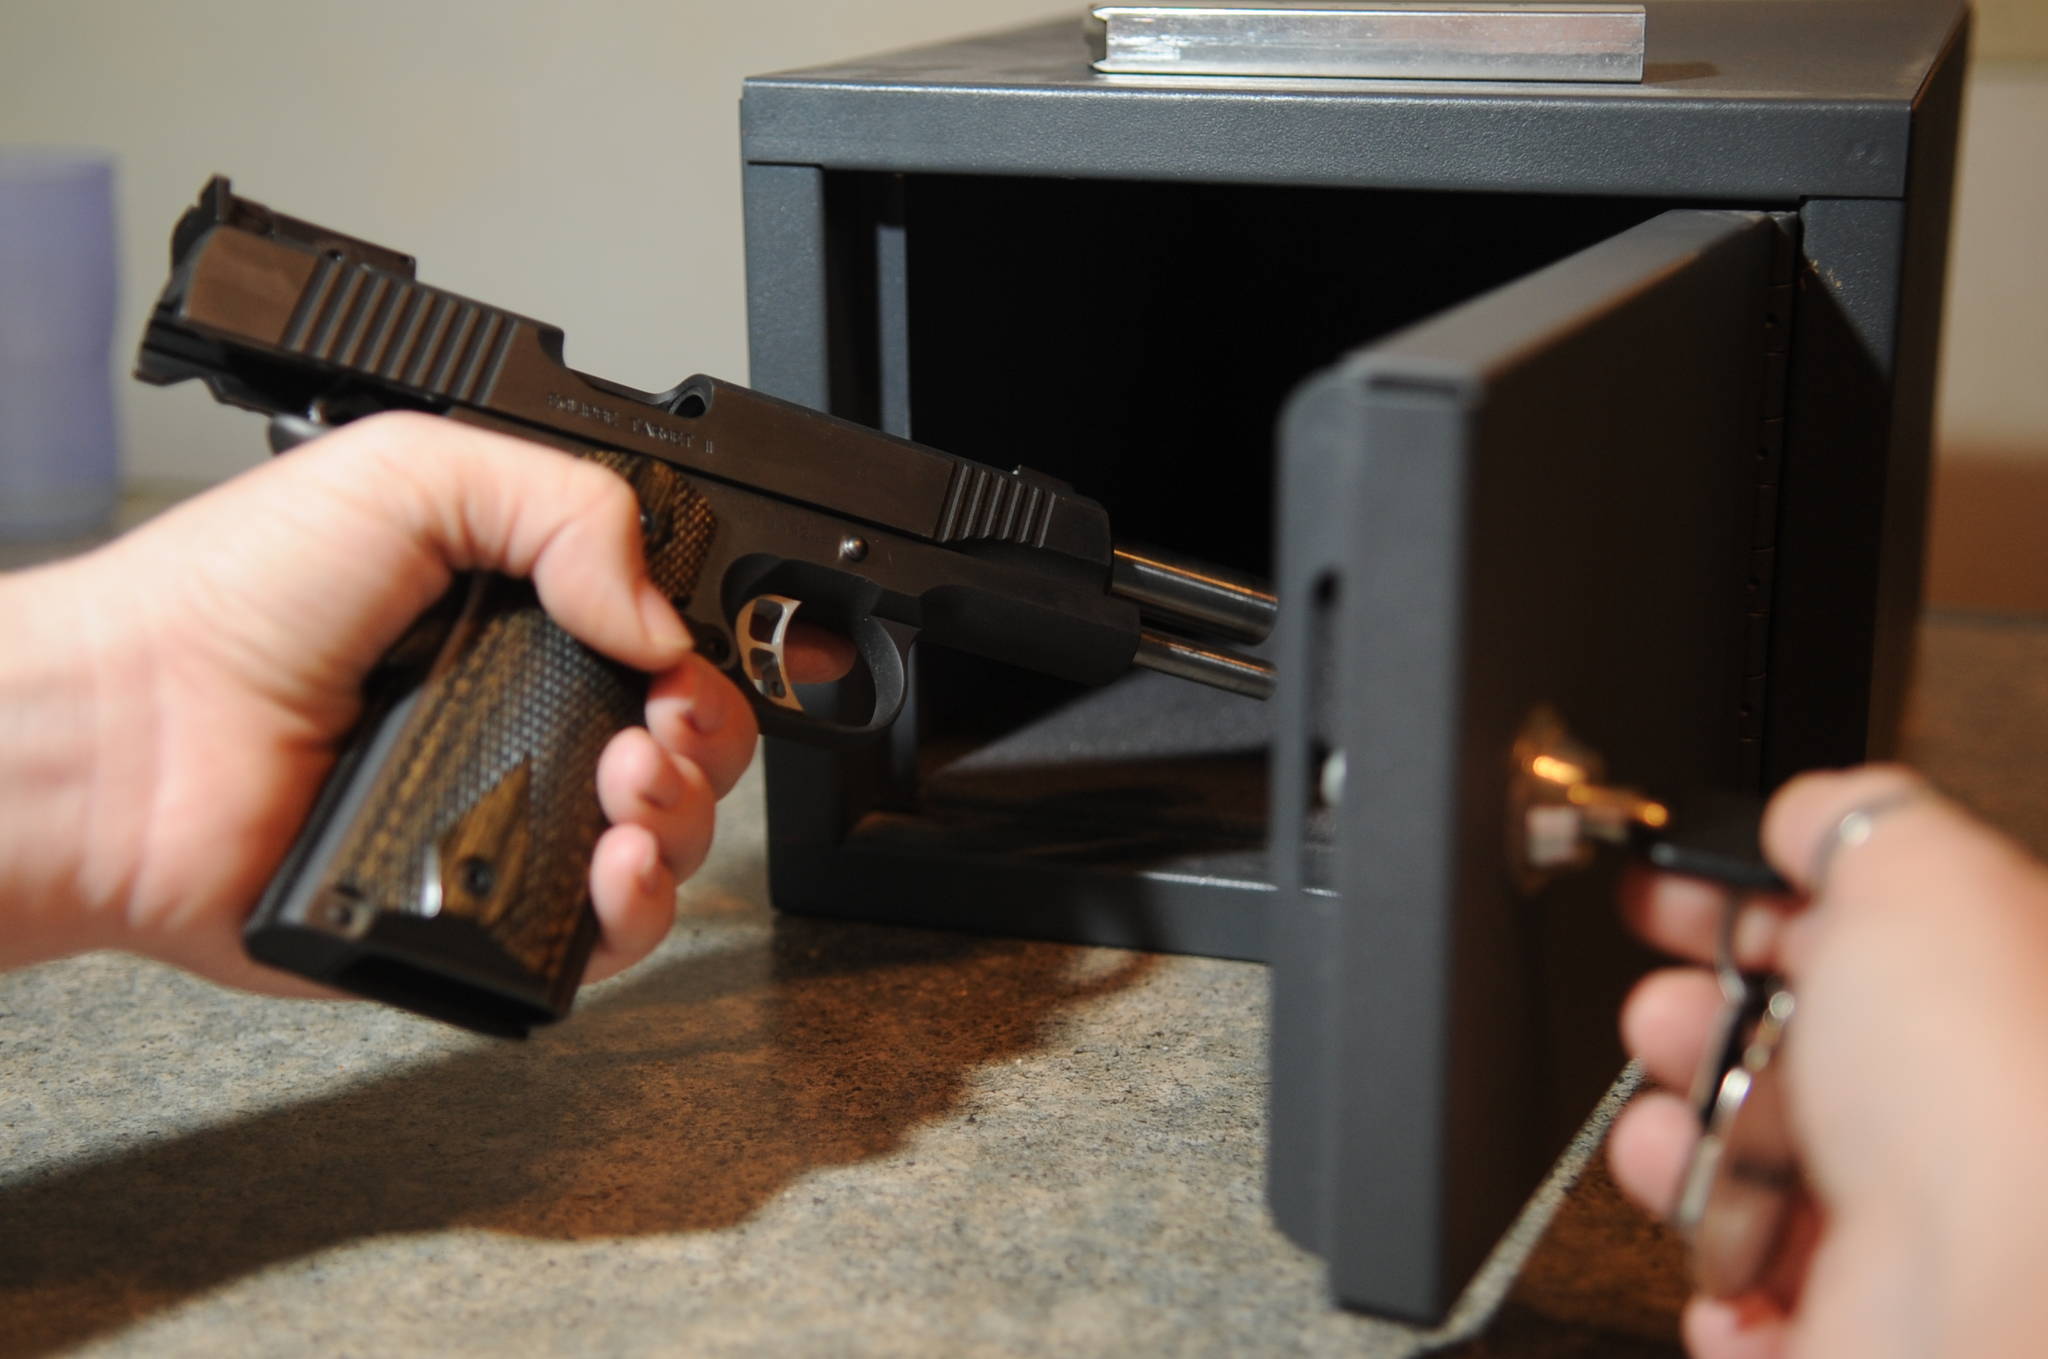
(763,627)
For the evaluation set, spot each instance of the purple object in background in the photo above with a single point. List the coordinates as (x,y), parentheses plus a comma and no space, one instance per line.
(60,469)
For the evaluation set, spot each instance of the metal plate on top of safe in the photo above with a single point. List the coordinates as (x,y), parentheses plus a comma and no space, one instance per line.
(1412,41)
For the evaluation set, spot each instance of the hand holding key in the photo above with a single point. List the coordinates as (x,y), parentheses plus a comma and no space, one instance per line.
(1914,1081)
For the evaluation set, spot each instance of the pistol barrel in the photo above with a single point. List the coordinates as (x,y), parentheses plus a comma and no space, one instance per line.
(1218,667)
(1193,596)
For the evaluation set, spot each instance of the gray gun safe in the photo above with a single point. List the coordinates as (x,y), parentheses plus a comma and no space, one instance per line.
(1611,398)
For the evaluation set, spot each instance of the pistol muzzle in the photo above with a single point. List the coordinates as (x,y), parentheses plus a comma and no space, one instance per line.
(1218,667)
(1191,596)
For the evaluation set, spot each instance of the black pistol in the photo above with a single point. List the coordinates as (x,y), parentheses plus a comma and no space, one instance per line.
(444,865)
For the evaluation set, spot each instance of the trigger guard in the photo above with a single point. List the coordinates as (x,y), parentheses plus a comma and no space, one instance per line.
(885,647)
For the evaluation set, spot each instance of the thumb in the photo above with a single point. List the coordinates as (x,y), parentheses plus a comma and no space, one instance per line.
(485,501)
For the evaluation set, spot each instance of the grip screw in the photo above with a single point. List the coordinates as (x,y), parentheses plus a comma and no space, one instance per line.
(853,549)
(478,877)
(342,911)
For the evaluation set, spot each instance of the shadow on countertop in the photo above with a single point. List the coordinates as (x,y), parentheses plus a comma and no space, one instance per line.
(683,1101)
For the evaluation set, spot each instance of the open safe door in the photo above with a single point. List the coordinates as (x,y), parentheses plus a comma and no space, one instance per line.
(1554,496)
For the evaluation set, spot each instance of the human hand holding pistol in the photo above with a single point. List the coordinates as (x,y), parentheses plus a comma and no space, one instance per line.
(1915,1079)
(170,704)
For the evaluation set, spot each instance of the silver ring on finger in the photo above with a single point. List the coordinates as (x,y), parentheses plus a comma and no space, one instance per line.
(1855,827)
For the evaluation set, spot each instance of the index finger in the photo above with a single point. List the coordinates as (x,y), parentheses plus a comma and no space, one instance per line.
(1803,833)
(1682,916)
(817,655)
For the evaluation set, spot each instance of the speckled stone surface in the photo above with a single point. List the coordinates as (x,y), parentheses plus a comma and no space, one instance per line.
(777,1137)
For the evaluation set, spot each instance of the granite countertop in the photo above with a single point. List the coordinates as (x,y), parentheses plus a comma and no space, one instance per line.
(779,1136)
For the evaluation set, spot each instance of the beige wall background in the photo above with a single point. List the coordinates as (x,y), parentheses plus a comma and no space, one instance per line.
(578,162)
(1987,550)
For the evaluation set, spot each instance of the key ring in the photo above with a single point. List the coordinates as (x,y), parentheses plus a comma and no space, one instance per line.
(1743,1177)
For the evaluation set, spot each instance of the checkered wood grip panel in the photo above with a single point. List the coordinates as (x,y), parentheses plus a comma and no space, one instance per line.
(486,810)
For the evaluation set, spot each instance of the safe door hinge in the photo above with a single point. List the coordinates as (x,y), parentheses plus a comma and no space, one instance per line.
(1775,323)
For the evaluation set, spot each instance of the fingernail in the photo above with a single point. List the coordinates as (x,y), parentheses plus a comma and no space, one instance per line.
(664,628)
(650,869)
(1757,930)
(668,716)
(657,797)
(705,710)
